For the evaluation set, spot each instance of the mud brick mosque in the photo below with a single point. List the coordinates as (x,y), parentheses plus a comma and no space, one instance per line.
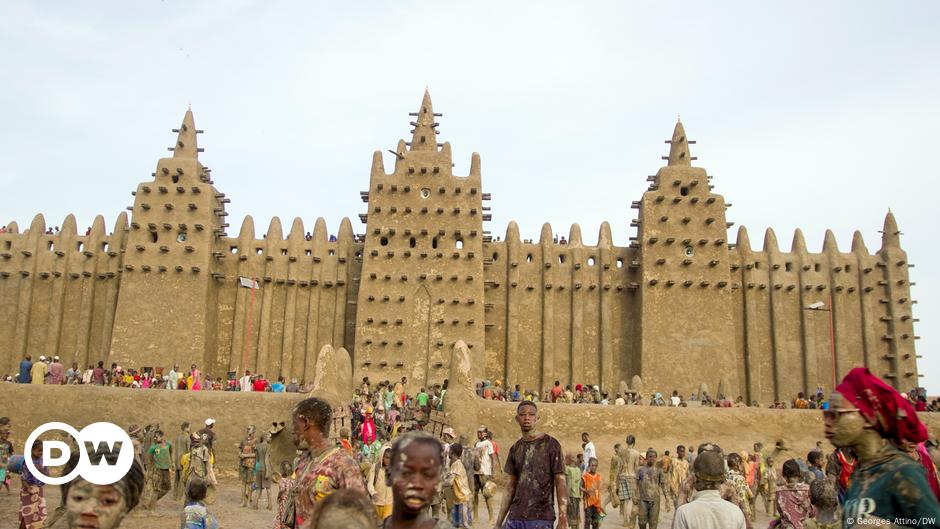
(679,305)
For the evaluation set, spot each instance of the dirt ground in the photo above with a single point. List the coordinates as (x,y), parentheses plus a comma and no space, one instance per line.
(227,507)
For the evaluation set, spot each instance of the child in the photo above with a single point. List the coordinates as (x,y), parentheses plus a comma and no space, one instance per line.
(591,491)
(650,482)
(32,502)
(824,495)
(159,473)
(414,474)
(284,480)
(573,474)
(378,489)
(739,484)
(6,450)
(792,499)
(344,509)
(461,488)
(195,515)
(768,487)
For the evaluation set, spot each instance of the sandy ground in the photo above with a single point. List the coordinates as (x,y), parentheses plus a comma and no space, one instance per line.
(231,515)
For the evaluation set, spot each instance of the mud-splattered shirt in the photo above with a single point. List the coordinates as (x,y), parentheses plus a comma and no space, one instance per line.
(535,464)
(891,487)
(318,478)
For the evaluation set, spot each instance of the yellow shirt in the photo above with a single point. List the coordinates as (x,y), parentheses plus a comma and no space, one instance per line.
(461,485)
(38,372)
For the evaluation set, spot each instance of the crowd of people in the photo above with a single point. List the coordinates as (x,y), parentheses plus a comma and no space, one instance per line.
(592,394)
(50,370)
(383,469)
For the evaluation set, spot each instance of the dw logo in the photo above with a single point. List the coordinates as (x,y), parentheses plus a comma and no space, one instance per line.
(106,453)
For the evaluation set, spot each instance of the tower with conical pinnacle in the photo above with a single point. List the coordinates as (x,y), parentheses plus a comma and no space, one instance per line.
(685,291)
(422,273)
(165,310)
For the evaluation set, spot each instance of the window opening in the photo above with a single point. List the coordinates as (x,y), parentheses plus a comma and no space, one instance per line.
(619,262)
(684,191)
(434,243)
(233,249)
(590,261)
(412,242)
(383,241)
(458,244)
(153,236)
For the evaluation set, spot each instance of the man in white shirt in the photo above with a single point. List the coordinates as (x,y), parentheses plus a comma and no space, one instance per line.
(674,399)
(173,378)
(589,451)
(244,382)
(707,510)
(484,452)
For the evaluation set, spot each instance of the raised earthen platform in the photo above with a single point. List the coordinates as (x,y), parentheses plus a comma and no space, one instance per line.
(661,428)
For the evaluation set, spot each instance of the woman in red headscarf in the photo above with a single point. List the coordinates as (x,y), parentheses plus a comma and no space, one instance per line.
(874,420)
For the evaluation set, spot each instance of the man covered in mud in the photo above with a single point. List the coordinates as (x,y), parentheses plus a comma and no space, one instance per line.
(536,469)
(246,463)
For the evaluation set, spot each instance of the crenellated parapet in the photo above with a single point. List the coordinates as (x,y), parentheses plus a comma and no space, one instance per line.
(303,298)
(57,288)
(808,318)
(560,311)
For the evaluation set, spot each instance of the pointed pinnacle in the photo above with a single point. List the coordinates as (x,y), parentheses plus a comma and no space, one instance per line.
(679,147)
(186,141)
(858,243)
(424,137)
(890,235)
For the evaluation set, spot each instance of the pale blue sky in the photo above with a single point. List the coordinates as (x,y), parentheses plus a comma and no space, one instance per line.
(566,102)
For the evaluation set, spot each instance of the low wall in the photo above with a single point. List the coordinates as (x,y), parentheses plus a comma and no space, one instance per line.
(662,428)
(29,406)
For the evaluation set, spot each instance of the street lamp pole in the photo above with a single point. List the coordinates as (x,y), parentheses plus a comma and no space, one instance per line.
(819,306)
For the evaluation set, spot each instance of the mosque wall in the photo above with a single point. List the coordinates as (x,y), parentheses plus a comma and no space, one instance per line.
(803,320)
(304,297)
(58,291)
(678,306)
(563,312)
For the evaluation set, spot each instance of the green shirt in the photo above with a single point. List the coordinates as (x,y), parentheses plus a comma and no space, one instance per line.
(422,399)
(574,481)
(891,487)
(161,455)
